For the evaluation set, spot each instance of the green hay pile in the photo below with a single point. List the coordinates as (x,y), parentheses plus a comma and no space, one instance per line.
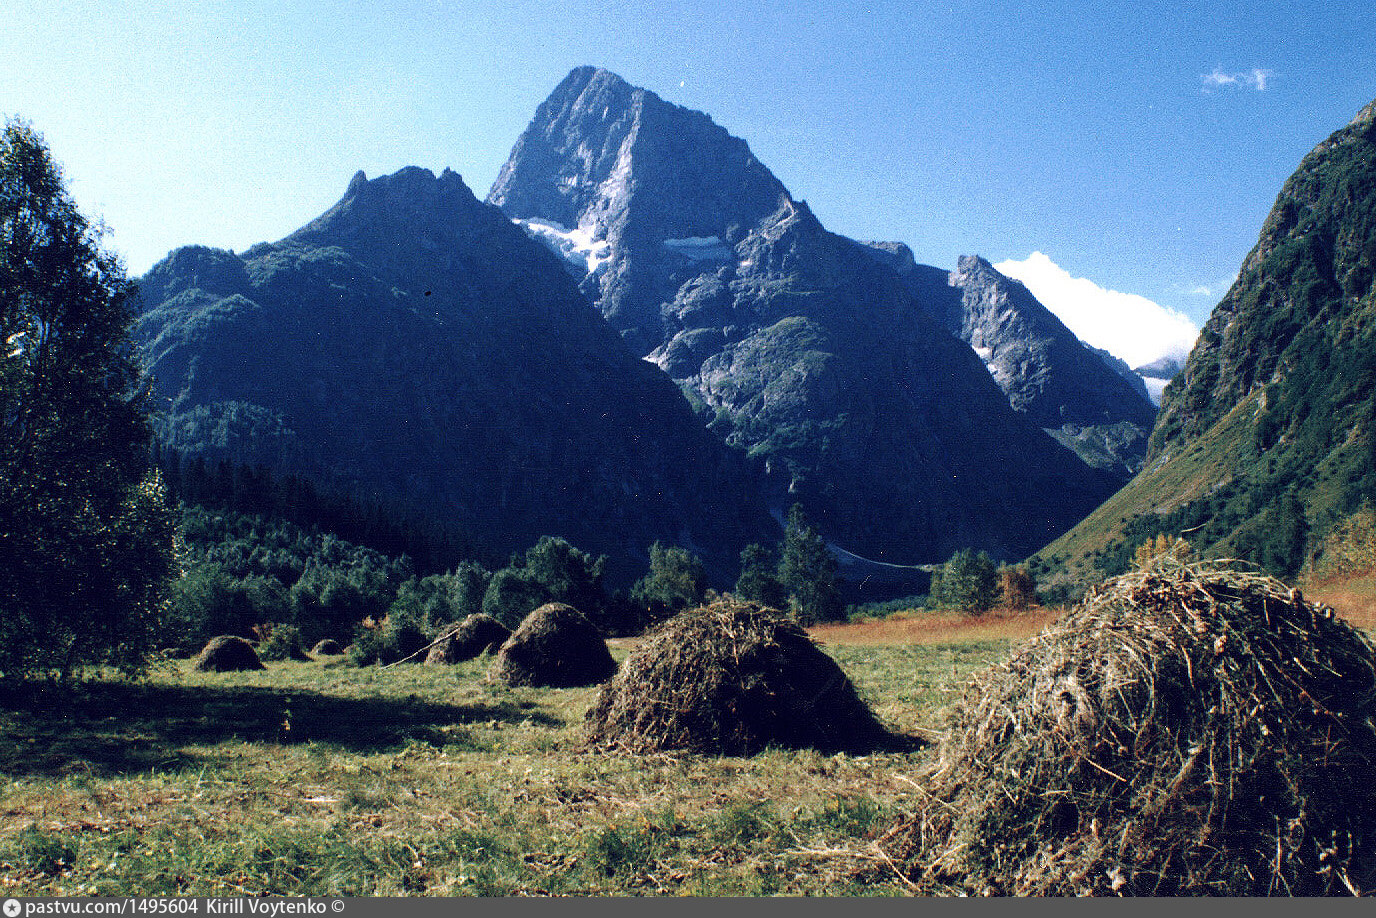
(731,678)
(1185,730)
(554,646)
(328,647)
(227,654)
(476,635)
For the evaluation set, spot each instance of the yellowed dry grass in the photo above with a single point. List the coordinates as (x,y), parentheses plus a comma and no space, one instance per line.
(929,628)
(1354,598)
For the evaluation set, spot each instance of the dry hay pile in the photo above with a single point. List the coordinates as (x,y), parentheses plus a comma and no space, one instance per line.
(731,678)
(328,647)
(1185,730)
(476,635)
(554,646)
(227,654)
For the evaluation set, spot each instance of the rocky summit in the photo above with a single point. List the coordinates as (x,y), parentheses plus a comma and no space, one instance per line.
(793,342)
(1086,399)
(412,346)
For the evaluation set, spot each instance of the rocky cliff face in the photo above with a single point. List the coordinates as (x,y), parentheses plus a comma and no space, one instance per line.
(795,343)
(1086,399)
(1309,273)
(413,345)
(1049,375)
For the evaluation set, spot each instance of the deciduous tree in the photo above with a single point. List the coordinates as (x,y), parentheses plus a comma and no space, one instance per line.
(86,537)
(676,580)
(968,581)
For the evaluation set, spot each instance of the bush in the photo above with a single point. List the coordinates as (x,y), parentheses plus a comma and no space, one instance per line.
(388,641)
(550,571)
(206,601)
(280,642)
(512,594)
(759,579)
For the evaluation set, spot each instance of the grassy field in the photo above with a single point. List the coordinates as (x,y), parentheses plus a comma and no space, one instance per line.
(323,779)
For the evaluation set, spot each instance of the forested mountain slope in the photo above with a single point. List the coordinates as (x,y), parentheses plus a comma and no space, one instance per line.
(1267,438)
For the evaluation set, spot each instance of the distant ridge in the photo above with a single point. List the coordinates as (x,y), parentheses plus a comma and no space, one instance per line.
(1088,400)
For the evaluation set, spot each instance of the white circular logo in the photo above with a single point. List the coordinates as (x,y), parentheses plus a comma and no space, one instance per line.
(12,908)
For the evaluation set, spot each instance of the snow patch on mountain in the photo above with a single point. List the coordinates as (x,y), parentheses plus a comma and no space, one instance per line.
(699,248)
(577,246)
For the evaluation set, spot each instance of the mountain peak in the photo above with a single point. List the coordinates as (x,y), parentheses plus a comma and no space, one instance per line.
(896,254)
(387,214)
(804,353)
(1083,398)
(974,266)
(408,187)
(598,141)
(588,76)
(1366,115)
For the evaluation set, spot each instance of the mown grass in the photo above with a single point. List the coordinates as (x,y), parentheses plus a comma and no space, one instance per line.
(321,779)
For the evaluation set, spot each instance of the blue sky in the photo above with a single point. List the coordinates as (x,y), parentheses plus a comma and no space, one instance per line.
(1135,144)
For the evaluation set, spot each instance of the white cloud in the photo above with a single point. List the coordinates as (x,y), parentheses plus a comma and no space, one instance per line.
(1126,325)
(1211,290)
(1257,78)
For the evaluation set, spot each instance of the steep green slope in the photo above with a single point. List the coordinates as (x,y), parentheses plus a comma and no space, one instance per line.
(1268,436)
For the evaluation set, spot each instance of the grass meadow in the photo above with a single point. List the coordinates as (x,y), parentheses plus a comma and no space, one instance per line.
(319,778)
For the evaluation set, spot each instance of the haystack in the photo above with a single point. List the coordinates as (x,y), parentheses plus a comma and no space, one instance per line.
(328,647)
(226,654)
(474,636)
(1185,730)
(554,646)
(731,678)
